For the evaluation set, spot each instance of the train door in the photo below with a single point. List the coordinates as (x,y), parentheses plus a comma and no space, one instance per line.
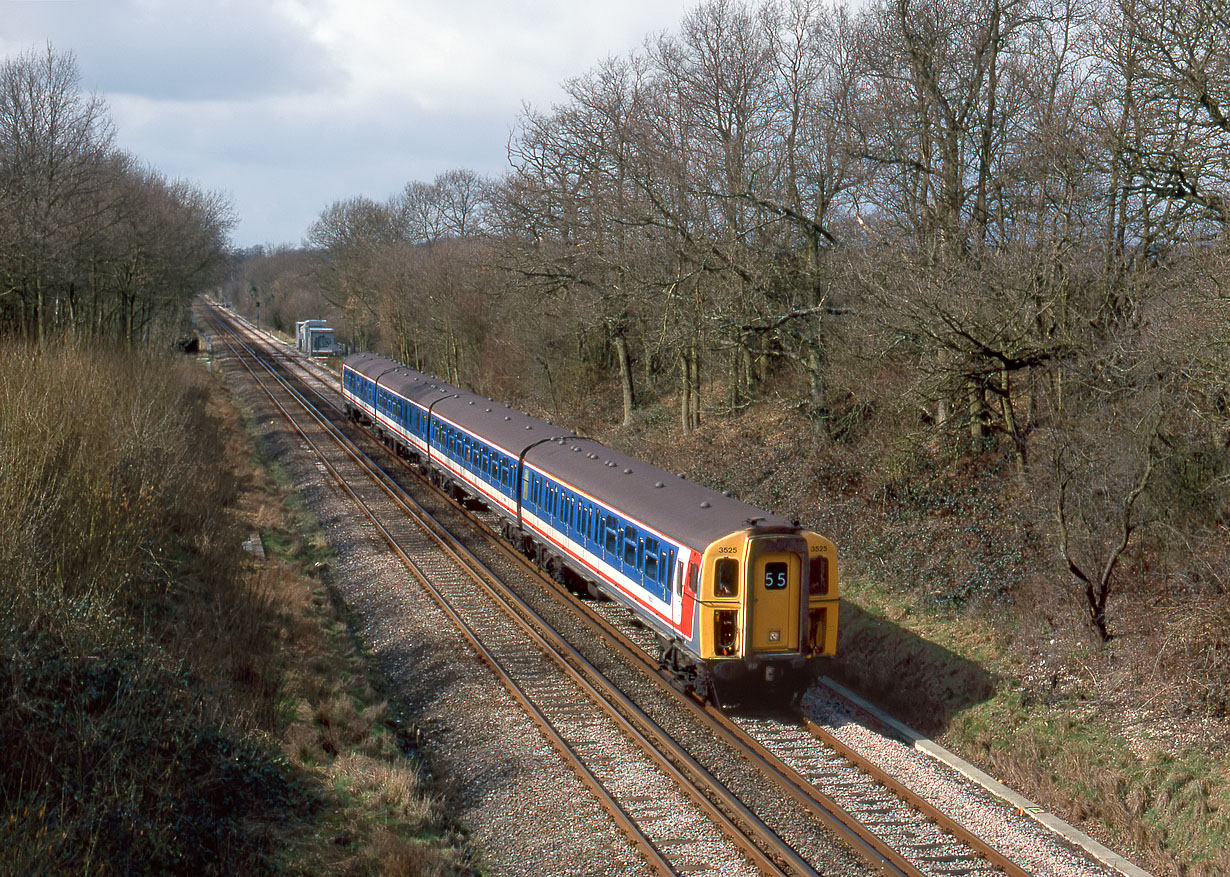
(773,601)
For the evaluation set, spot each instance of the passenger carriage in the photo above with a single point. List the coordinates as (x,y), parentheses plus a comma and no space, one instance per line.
(734,593)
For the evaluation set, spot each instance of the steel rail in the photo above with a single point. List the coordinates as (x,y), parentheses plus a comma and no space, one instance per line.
(874,851)
(922,805)
(606,800)
(610,699)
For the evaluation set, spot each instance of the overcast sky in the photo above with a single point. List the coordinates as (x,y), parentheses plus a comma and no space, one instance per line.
(289,105)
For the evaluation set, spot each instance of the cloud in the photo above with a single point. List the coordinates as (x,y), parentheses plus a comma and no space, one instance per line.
(178,51)
(282,161)
(289,105)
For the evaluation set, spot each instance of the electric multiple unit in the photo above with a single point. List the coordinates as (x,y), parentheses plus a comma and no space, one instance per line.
(734,593)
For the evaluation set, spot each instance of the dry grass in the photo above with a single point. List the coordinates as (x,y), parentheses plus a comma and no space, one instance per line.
(169,705)
(1068,731)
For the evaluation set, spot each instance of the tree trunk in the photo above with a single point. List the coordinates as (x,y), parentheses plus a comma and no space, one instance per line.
(685,392)
(977,412)
(1010,427)
(625,375)
(689,404)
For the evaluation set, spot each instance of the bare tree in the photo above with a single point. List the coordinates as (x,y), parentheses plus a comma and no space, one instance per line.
(53,142)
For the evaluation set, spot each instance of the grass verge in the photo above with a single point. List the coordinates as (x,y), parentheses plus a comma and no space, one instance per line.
(167,702)
(1053,736)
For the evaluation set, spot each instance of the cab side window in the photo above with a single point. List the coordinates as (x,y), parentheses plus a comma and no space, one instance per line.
(726,577)
(818,576)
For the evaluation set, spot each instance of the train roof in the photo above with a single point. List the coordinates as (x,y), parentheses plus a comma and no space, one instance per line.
(683,510)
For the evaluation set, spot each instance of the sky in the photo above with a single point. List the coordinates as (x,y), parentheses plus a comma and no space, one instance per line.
(286,106)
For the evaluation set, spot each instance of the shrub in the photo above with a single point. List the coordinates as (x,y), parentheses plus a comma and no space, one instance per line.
(116,756)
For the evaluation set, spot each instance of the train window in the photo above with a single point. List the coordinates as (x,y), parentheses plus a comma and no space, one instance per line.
(612,535)
(651,558)
(629,546)
(818,574)
(726,577)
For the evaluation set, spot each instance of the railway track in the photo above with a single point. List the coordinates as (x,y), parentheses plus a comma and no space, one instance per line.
(761,792)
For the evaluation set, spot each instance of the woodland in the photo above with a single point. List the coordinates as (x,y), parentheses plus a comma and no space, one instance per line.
(931,233)
(945,279)
(93,242)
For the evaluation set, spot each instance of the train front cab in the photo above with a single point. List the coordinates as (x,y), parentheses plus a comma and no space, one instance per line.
(768,605)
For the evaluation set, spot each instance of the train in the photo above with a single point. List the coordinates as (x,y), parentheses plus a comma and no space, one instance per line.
(315,338)
(741,600)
